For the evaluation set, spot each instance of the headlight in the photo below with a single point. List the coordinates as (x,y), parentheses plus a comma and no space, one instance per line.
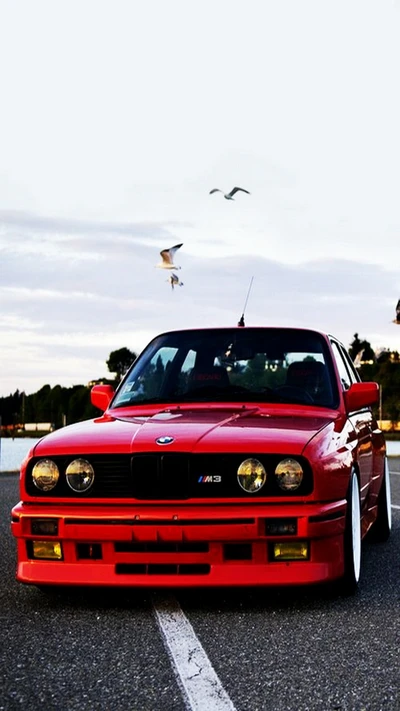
(45,474)
(80,475)
(251,475)
(289,474)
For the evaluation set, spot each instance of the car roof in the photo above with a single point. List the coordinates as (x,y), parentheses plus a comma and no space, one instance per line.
(246,328)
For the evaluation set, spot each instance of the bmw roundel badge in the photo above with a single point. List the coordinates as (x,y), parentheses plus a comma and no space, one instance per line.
(164,440)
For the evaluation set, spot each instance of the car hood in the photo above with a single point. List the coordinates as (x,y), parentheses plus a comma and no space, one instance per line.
(197,429)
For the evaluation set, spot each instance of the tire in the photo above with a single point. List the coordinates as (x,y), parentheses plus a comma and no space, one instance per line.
(380,530)
(348,584)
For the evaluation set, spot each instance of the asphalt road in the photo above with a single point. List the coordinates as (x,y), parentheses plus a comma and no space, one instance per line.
(287,650)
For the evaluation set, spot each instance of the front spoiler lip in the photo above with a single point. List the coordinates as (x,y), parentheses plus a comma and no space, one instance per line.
(228,575)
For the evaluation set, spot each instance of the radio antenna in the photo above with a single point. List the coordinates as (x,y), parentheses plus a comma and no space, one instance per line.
(241,320)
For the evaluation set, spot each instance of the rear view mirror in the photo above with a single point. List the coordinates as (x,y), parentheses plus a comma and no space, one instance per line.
(361,395)
(101,396)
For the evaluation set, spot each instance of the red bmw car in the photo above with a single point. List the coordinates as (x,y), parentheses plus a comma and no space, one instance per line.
(226,457)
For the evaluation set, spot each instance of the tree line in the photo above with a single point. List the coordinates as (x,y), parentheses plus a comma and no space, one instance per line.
(60,405)
(383,367)
(63,405)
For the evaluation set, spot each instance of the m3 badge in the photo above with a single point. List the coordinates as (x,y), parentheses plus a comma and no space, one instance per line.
(209,479)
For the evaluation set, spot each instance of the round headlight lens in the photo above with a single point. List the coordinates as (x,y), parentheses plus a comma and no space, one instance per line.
(251,475)
(80,475)
(45,474)
(289,474)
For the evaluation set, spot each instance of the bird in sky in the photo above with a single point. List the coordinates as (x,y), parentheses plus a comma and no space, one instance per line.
(167,256)
(229,196)
(174,281)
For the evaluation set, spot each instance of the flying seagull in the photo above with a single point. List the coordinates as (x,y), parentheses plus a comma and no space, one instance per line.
(229,196)
(174,281)
(167,256)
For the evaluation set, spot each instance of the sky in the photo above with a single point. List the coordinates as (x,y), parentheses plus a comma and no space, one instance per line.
(117,119)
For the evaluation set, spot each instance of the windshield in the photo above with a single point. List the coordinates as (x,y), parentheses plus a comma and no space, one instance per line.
(240,365)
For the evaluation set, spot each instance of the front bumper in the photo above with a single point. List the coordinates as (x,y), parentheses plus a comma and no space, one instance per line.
(179,545)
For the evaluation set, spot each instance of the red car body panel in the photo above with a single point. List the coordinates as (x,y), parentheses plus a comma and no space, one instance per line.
(205,540)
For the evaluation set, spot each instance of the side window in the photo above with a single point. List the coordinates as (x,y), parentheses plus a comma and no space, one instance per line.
(344,374)
(355,378)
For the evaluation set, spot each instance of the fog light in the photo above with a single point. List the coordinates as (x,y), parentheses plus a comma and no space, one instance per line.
(290,550)
(50,550)
(44,526)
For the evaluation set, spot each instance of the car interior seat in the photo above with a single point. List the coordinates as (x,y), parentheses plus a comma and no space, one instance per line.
(312,376)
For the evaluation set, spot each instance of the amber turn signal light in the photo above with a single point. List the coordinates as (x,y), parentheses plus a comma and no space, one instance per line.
(44,526)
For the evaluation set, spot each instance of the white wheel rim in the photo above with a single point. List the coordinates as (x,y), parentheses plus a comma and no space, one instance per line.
(386,484)
(356,527)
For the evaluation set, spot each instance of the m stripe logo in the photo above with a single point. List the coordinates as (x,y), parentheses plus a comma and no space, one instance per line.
(209,479)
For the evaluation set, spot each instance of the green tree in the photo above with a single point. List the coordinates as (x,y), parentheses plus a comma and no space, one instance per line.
(119,361)
(10,409)
(79,405)
(387,374)
(357,346)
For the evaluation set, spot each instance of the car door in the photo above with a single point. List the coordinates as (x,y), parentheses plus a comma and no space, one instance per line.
(362,421)
(378,446)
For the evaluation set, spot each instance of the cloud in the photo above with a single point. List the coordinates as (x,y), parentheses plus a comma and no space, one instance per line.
(31,222)
(63,314)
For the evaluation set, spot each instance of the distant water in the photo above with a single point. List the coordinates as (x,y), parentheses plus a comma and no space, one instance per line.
(393,448)
(13,451)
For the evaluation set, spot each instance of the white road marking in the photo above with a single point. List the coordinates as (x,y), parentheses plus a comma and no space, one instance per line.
(394,506)
(200,684)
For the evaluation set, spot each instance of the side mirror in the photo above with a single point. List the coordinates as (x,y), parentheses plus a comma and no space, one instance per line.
(361,395)
(101,396)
